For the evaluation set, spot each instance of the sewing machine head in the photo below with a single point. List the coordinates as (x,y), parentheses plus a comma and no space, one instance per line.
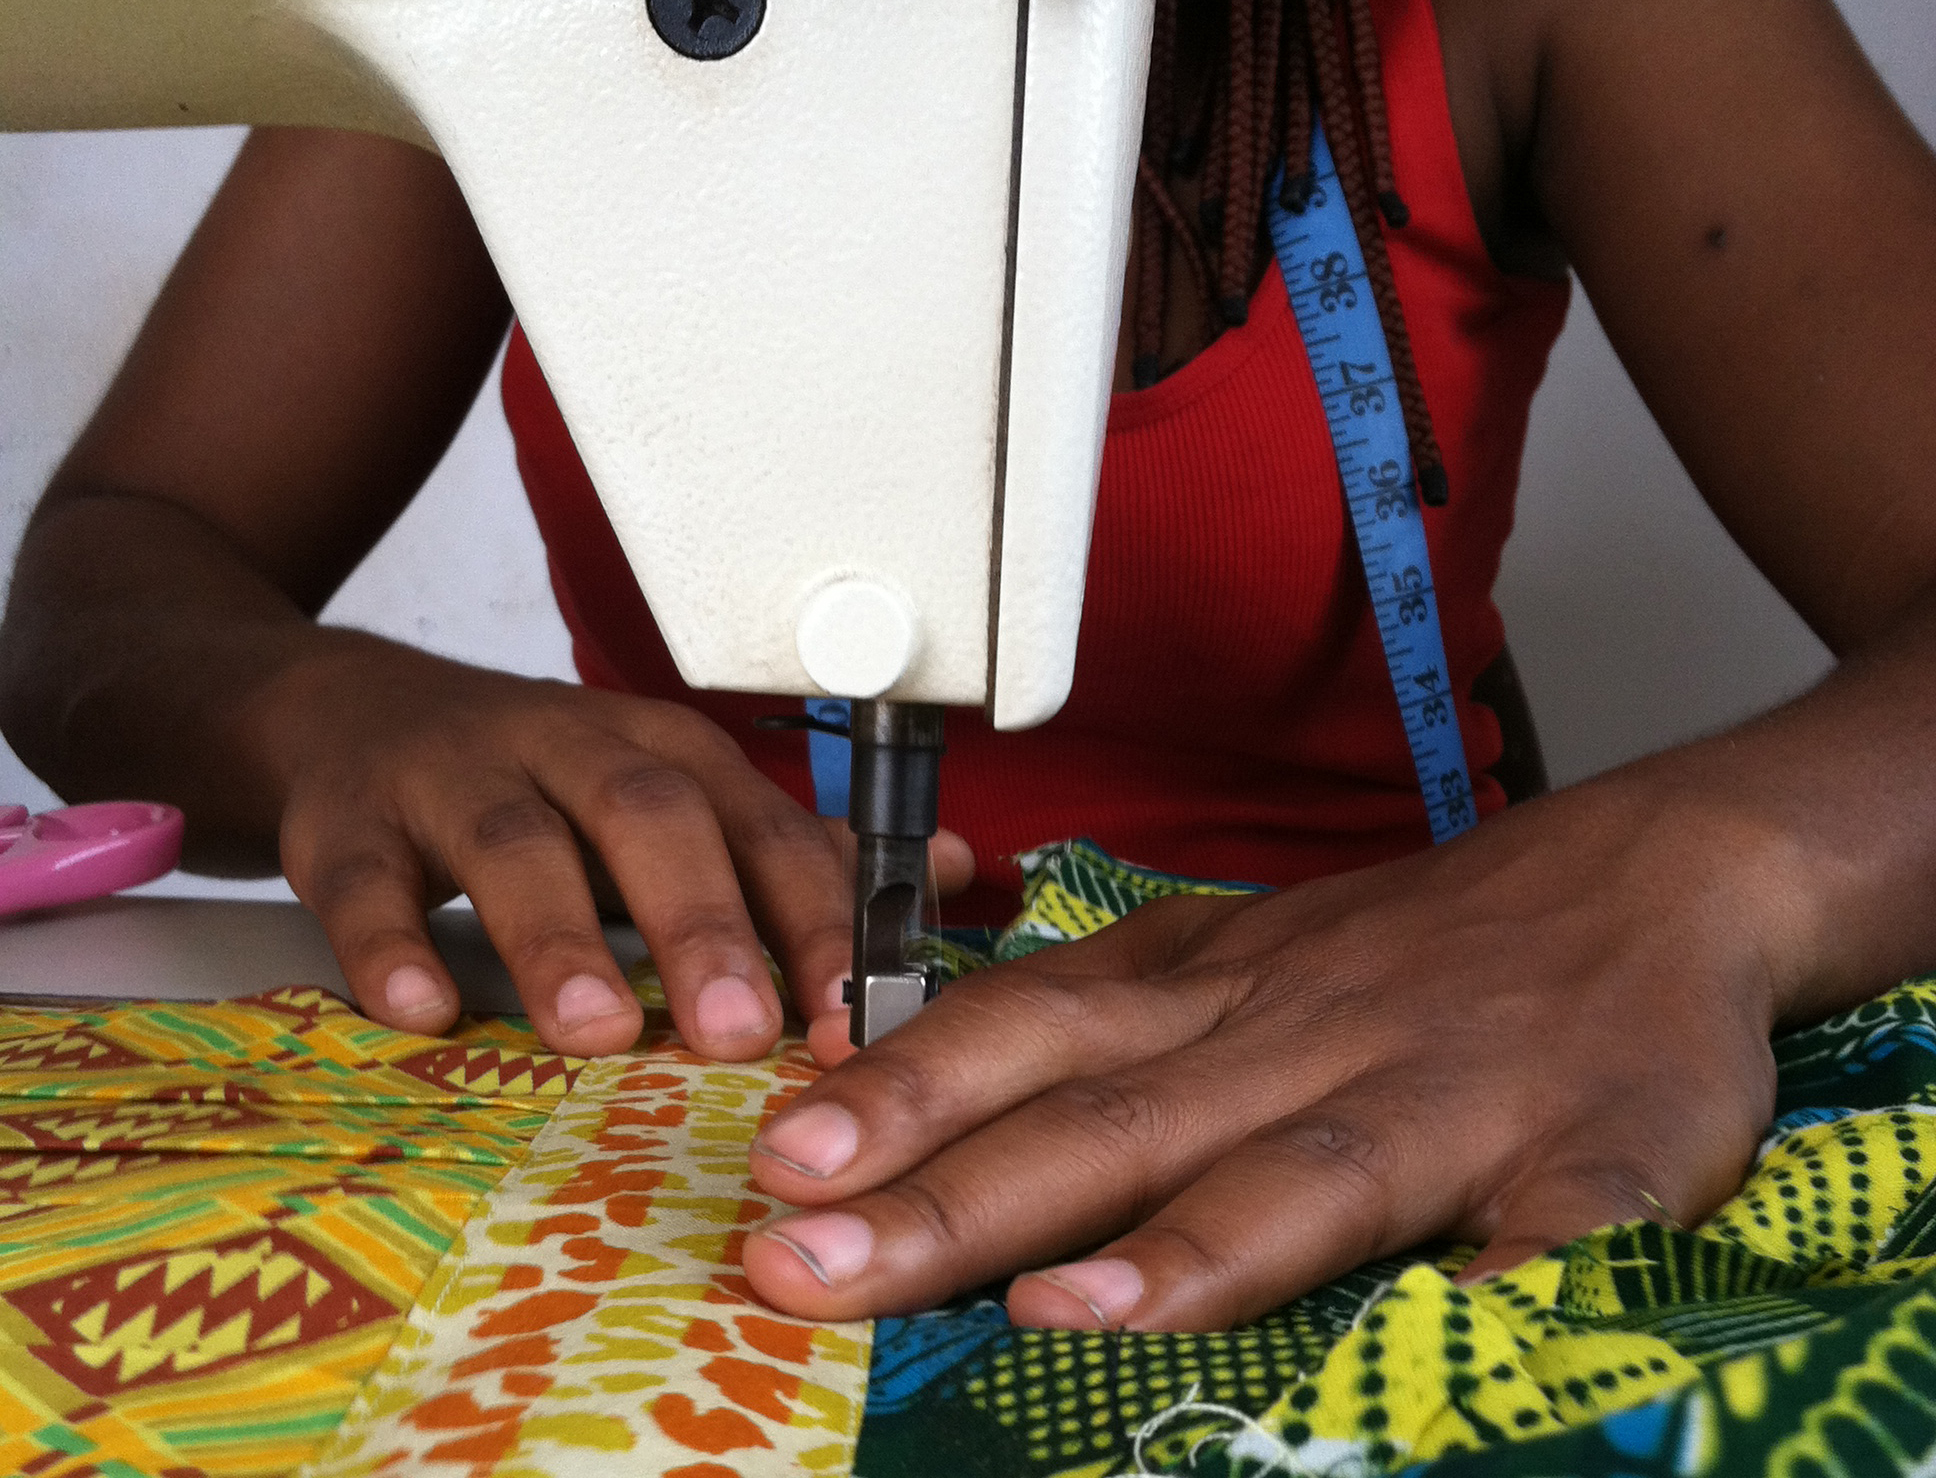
(827,291)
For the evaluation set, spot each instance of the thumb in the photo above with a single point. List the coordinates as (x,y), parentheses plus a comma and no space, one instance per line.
(949,855)
(953,861)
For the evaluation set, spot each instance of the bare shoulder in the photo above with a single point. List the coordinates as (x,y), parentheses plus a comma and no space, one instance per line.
(1492,69)
(1754,220)
(1527,80)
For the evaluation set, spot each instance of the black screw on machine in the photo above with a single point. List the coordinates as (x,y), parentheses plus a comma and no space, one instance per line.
(706,30)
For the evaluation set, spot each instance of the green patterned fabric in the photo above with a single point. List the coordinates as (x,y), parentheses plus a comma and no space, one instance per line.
(1793,1333)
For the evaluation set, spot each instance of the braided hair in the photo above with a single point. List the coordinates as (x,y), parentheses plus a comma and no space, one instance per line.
(1277,66)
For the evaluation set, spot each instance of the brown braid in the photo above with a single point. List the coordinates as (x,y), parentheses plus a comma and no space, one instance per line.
(1281,65)
(1152,239)
(1239,211)
(1268,76)
(1296,190)
(1179,228)
(1371,92)
(1215,168)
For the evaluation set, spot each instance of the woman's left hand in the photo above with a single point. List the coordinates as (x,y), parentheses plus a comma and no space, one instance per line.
(1562,1019)
(1558,1022)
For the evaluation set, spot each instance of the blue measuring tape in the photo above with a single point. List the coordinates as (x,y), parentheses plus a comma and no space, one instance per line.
(1324,273)
(830,756)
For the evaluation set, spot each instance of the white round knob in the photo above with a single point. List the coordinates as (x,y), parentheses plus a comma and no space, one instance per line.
(856,638)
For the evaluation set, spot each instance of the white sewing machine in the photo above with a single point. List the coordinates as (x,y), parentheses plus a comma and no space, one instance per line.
(827,291)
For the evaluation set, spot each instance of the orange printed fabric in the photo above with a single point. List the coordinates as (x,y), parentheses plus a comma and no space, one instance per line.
(214,1219)
(592,1317)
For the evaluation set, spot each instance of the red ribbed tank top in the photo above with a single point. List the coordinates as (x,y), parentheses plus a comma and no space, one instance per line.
(1231,715)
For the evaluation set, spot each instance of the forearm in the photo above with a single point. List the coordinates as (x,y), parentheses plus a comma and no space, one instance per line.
(303,369)
(1817,822)
(142,656)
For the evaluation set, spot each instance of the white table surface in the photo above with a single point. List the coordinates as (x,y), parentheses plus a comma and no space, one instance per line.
(196,949)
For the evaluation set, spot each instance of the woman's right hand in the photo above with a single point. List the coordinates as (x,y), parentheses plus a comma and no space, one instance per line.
(305,366)
(407,779)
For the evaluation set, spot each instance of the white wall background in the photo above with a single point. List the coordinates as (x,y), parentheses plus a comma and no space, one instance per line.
(89,225)
(1635,621)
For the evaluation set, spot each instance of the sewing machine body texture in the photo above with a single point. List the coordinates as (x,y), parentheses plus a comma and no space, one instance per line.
(832,318)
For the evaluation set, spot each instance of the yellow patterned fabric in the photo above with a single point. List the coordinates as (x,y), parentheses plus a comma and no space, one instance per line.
(214,1218)
(592,1317)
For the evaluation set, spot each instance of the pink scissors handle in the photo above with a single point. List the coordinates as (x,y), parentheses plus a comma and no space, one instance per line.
(83,852)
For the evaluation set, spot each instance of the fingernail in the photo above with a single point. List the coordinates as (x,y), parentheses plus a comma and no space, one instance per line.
(818,1140)
(411,991)
(729,1009)
(834,1245)
(585,998)
(829,1038)
(1110,1286)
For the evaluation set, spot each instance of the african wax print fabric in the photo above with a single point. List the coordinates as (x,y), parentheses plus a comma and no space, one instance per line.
(270,1236)
(214,1218)
(1793,1333)
(592,1317)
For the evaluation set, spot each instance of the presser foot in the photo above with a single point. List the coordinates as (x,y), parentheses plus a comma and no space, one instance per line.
(885,1001)
(892,813)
